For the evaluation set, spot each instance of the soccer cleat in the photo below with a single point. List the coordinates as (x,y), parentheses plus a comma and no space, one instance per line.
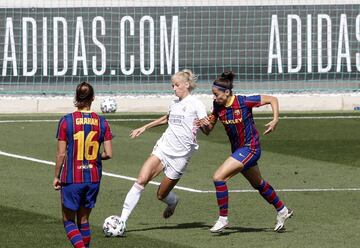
(281,218)
(220,225)
(170,209)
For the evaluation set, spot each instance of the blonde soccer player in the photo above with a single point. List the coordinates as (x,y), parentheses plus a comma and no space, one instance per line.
(173,150)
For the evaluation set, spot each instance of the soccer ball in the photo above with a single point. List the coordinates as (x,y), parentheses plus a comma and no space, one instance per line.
(113,226)
(108,105)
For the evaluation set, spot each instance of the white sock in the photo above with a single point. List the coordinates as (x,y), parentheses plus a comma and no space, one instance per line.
(223,218)
(170,199)
(131,200)
(283,211)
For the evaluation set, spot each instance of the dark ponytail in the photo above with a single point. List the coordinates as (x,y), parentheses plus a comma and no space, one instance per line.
(225,81)
(84,95)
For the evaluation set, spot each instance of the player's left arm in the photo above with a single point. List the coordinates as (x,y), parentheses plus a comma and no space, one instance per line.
(208,124)
(60,157)
(203,121)
(273,101)
(108,151)
(160,121)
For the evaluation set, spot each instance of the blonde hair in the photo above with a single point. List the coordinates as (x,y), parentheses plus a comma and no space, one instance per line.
(188,76)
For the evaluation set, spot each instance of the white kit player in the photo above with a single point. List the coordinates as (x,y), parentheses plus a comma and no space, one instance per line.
(173,150)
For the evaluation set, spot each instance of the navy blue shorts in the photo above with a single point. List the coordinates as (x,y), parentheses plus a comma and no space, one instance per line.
(74,195)
(247,156)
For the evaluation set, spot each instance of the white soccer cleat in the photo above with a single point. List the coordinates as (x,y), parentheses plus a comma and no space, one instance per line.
(281,217)
(220,225)
(170,209)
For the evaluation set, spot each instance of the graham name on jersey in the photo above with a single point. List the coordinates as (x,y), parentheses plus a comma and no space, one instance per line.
(84,121)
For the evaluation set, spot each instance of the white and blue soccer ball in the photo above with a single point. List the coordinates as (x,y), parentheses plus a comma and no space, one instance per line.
(108,105)
(114,227)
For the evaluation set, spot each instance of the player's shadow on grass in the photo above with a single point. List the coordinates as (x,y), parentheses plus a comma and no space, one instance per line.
(192,225)
(239,229)
(204,226)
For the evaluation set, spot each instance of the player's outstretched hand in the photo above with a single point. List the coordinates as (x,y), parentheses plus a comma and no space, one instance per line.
(271,126)
(137,132)
(56,183)
(202,122)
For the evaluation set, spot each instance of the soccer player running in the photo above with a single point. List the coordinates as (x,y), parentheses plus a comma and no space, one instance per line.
(78,164)
(173,150)
(235,113)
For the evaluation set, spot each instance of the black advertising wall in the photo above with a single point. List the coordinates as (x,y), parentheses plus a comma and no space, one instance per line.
(140,45)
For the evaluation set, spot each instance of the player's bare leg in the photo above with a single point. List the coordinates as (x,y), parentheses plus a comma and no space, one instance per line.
(166,195)
(151,168)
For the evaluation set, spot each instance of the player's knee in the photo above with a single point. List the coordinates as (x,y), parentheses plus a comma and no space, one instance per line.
(218,177)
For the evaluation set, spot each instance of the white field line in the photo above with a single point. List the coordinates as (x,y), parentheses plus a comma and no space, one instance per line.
(256,118)
(104,173)
(179,187)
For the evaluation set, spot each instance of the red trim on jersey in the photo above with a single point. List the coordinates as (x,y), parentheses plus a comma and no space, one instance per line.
(77,173)
(62,130)
(240,129)
(108,135)
(62,136)
(94,172)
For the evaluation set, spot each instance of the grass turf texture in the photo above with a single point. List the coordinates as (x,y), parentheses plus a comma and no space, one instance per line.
(301,154)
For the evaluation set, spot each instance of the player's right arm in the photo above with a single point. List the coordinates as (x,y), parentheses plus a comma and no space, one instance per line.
(60,157)
(137,132)
(107,152)
(60,152)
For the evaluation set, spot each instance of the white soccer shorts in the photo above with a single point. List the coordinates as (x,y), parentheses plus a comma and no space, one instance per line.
(174,167)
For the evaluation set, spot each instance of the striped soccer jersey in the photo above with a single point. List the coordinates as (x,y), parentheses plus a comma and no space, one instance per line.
(238,120)
(84,132)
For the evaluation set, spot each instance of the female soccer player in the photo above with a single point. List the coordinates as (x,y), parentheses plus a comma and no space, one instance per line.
(173,150)
(235,113)
(78,164)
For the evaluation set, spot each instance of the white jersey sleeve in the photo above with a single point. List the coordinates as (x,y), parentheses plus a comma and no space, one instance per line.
(200,109)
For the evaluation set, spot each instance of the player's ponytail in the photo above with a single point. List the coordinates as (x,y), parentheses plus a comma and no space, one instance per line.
(84,95)
(229,75)
(225,81)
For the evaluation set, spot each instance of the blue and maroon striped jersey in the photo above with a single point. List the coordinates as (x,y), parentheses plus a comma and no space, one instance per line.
(238,120)
(84,132)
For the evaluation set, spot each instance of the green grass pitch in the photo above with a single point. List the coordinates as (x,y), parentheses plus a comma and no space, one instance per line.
(303,153)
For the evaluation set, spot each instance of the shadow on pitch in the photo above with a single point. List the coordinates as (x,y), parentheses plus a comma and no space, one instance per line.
(239,229)
(204,226)
(192,225)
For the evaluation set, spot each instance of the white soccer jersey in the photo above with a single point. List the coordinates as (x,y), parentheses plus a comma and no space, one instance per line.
(179,139)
